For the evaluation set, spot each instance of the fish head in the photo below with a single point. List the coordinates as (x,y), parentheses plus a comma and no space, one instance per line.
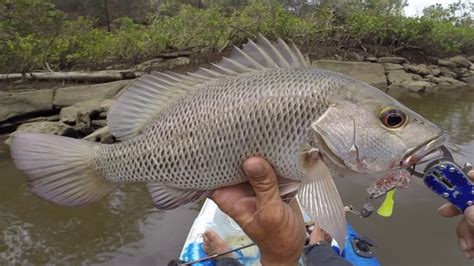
(365,130)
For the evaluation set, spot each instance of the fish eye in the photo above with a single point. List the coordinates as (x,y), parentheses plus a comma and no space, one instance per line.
(393,118)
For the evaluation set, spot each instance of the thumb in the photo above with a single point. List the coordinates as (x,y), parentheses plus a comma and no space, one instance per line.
(263,180)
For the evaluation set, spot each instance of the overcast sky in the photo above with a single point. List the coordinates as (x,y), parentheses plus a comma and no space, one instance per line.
(415,7)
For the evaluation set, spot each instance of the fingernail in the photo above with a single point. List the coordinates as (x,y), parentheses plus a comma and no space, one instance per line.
(444,206)
(255,169)
(463,244)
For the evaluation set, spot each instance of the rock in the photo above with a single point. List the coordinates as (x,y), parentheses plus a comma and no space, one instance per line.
(161,64)
(471,58)
(70,95)
(395,87)
(55,128)
(102,135)
(398,77)
(99,123)
(353,56)
(418,69)
(469,80)
(446,72)
(372,59)
(451,82)
(103,115)
(374,74)
(69,115)
(416,76)
(432,59)
(83,123)
(435,80)
(392,59)
(460,61)
(19,103)
(390,66)
(105,105)
(434,70)
(446,63)
(419,86)
(462,72)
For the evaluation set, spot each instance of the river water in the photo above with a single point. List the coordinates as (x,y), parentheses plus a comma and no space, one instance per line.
(124,229)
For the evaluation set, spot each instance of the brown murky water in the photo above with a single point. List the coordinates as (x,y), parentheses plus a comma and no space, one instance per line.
(124,229)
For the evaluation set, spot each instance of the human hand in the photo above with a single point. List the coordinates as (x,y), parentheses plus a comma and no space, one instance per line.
(465,228)
(276,227)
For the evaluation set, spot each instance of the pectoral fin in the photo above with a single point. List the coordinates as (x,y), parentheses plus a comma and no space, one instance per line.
(168,198)
(288,188)
(321,201)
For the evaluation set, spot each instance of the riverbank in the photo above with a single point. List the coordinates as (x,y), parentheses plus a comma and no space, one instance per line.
(79,111)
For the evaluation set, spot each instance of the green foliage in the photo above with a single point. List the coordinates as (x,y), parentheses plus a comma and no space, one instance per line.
(33,33)
(268,18)
(438,29)
(190,27)
(26,29)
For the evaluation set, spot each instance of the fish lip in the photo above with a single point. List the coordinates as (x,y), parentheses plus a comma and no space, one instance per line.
(418,153)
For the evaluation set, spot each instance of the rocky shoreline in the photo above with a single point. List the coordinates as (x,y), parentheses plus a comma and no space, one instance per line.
(81,111)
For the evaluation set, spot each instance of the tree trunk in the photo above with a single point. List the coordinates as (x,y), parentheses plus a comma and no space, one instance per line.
(107,17)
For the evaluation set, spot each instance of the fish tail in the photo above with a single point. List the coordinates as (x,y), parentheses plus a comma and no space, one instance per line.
(58,168)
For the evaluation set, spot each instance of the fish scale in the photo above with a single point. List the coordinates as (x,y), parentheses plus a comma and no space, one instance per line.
(204,148)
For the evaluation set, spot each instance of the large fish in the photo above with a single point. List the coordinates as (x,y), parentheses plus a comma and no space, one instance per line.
(186,135)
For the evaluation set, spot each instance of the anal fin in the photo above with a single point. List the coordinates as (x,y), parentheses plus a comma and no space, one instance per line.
(168,198)
(320,199)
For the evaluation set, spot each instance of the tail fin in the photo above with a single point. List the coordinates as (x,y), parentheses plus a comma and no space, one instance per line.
(58,168)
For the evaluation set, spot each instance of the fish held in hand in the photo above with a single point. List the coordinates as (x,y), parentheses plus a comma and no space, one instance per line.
(186,135)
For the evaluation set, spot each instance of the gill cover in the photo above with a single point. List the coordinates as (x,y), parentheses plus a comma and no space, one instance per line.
(354,137)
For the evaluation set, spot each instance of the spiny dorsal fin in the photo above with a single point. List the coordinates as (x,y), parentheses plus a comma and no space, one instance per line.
(147,95)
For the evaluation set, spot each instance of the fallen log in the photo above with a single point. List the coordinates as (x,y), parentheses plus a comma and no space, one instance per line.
(174,54)
(97,76)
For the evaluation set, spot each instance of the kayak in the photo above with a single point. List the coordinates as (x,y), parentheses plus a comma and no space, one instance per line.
(357,249)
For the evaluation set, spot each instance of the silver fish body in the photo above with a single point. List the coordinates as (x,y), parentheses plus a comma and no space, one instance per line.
(201,141)
(186,135)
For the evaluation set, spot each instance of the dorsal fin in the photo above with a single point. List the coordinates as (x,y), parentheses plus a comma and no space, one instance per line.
(147,95)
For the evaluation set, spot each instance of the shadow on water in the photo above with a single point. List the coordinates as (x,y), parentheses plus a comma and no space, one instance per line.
(124,229)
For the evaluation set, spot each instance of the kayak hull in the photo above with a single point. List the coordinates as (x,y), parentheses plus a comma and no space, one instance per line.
(210,217)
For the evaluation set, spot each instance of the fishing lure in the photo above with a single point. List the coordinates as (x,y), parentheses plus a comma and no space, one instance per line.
(441,175)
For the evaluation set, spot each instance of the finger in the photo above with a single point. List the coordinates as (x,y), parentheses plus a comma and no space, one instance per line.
(448,210)
(465,235)
(226,197)
(263,180)
(469,215)
(470,174)
(316,235)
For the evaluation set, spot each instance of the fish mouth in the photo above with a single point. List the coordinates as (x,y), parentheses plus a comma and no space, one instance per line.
(425,152)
